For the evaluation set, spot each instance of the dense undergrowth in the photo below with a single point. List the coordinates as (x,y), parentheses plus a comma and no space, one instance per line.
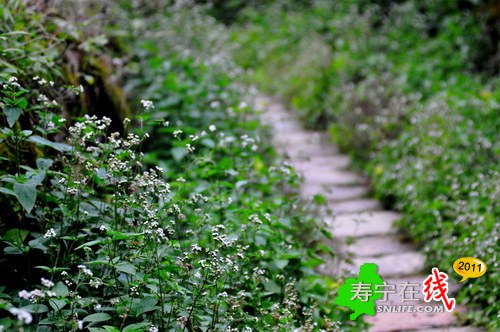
(138,191)
(410,89)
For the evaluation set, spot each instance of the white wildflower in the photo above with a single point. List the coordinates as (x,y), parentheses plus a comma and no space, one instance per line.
(85,270)
(50,294)
(22,315)
(190,148)
(177,133)
(147,104)
(47,283)
(95,283)
(212,128)
(50,233)
(24,294)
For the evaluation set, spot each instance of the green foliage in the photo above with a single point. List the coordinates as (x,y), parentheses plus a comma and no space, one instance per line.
(394,83)
(179,218)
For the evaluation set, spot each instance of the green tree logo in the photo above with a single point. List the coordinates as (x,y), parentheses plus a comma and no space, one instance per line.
(360,294)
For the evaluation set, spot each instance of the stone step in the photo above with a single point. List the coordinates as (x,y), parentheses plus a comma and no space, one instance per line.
(333,193)
(357,205)
(307,152)
(332,163)
(374,246)
(389,266)
(334,177)
(449,329)
(395,265)
(392,265)
(363,224)
(385,321)
(413,297)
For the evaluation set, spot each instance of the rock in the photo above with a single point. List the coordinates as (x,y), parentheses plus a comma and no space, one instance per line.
(356,205)
(363,224)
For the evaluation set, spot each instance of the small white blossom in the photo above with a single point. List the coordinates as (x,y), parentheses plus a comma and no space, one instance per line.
(147,104)
(95,283)
(85,270)
(177,133)
(22,315)
(24,294)
(50,233)
(47,283)
(190,148)
(212,128)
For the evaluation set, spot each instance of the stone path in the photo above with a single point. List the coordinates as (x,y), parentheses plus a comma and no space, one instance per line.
(363,231)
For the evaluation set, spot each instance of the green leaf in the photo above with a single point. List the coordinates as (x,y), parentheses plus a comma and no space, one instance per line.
(99,317)
(178,153)
(61,289)
(43,141)
(147,304)
(91,243)
(42,163)
(12,251)
(7,191)
(38,244)
(108,328)
(272,287)
(12,114)
(15,236)
(136,327)
(281,263)
(36,308)
(22,103)
(26,195)
(57,304)
(125,267)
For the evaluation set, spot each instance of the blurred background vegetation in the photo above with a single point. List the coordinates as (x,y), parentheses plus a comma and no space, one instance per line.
(409,89)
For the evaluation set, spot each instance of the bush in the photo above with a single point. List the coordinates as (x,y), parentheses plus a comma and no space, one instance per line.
(175,218)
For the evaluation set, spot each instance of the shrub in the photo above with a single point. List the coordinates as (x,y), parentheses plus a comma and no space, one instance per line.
(176,218)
